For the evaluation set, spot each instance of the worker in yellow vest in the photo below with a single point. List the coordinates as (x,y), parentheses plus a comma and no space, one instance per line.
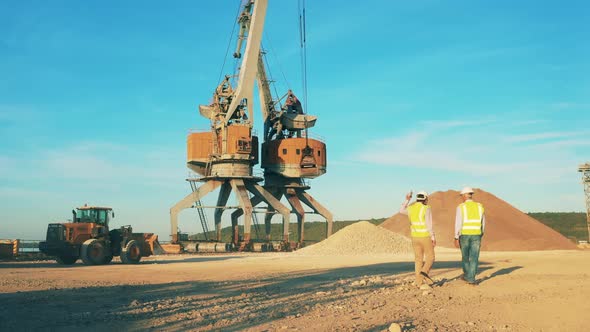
(470,223)
(423,240)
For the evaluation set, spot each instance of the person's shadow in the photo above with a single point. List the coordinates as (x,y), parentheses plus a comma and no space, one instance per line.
(481,269)
(499,273)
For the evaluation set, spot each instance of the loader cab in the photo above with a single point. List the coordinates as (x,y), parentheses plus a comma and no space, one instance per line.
(93,214)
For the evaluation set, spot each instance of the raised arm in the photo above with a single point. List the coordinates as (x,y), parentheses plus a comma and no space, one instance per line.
(404,208)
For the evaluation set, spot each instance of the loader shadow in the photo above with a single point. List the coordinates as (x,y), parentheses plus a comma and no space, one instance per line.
(194,305)
(79,264)
(192,259)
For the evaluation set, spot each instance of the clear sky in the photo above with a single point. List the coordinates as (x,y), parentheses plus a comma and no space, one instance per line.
(96,100)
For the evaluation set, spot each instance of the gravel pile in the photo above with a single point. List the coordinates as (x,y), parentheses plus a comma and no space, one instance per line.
(507,228)
(361,238)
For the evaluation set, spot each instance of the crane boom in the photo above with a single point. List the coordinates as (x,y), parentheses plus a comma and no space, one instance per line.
(249,68)
(266,102)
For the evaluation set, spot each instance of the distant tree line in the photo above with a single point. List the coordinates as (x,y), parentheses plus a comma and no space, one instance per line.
(571,224)
(315,231)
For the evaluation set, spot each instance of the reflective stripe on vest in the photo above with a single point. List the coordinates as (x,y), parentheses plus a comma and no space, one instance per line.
(472,213)
(417,216)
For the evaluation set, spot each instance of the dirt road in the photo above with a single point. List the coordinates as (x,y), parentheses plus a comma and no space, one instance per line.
(519,291)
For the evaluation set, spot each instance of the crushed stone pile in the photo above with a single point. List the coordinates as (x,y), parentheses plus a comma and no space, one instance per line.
(361,238)
(507,228)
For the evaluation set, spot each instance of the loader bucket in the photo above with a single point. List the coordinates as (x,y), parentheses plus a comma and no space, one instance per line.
(151,241)
(148,243)
(9,248)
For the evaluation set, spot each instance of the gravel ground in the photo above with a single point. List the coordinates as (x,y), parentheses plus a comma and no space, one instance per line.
(518,291)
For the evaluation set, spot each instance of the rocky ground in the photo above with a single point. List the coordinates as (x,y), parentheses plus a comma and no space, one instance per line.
(518,291)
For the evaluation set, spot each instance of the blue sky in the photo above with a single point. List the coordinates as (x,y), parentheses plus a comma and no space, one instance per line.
(96,100)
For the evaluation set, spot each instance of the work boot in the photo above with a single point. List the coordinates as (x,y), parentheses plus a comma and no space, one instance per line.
(426,277)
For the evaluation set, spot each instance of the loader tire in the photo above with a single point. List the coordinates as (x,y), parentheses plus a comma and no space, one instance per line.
(107,259)
(131,253)
(66,260)
(92,252)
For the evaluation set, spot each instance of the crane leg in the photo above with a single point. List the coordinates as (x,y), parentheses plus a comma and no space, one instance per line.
(239,212)
(221,201)
(299,212)
(244,199)
(317,207)
(273,202)
(187,202)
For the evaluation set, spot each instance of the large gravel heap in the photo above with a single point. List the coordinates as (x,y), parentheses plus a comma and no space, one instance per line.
(507,228)
(361,238)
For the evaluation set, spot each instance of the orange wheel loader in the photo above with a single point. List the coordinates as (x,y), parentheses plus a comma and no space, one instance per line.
(88,238)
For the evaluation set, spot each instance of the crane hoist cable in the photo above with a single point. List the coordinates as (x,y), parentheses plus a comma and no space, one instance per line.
(270,78)
(303,44)
(229,43)
(269,43)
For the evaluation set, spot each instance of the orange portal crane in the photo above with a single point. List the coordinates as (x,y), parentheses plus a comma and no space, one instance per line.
(289,154)
(225,155)
(585,170)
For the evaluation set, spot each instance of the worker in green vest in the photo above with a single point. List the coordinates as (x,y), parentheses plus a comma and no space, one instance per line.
(469,228)
(421,230)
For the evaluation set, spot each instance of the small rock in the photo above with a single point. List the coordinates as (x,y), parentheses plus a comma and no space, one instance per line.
(425,286)
(426,292)
(471,323)
(394,327)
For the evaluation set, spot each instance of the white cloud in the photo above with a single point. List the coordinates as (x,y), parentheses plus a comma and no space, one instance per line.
(476,150)
(568,105)
(543,136)
(99,164)
(17,113)
(433,125)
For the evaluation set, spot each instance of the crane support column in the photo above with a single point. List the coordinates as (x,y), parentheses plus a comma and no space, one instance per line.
(317,208)
(299,212)
(585,170)
(187,202)
(221,201)
(242,195)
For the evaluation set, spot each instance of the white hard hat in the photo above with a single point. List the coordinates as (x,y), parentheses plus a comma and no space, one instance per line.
(422,195)
(467,190)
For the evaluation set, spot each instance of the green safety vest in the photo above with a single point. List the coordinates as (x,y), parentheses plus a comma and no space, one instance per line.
(417,216)
(472,213)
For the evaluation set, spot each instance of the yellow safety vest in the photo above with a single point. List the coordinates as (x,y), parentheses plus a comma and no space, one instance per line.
(417,216)
(472,213)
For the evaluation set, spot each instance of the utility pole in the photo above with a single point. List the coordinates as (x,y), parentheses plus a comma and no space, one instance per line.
(585,170)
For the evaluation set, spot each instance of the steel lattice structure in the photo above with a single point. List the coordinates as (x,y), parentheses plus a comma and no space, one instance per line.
(585,170)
